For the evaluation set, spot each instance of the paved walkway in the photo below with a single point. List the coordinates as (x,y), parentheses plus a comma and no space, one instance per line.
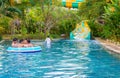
(109,45)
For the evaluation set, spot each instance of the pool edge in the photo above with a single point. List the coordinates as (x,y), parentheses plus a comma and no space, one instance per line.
(109,46)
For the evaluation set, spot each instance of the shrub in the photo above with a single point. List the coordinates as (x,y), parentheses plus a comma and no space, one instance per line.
(2,30)
(0,37)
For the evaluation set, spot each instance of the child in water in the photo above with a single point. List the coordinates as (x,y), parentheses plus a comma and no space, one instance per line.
(48,42)
(27,43)
(15,42)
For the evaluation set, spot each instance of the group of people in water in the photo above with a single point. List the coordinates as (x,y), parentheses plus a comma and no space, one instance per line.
(21,43)
(27,42)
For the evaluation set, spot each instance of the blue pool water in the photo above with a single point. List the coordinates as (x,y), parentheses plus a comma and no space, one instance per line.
(65,59)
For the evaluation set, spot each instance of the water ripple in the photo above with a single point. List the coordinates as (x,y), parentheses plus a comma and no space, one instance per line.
(66,59)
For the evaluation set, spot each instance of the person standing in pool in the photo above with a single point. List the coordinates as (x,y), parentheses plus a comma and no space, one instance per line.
(48,42)
(15,42)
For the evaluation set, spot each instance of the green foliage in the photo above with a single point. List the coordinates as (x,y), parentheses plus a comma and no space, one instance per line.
(97,30)
(23,30)
(66,22)
(2,30)
(112,20)
(48,21)
(106,32)
(109,13)
(90,9)
(12,11)
(39,18)
(33,20)
(30,36)
(0,37)
(8,10)
(4,24)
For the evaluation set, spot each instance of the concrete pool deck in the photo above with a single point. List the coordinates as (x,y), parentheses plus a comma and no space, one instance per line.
(109,45)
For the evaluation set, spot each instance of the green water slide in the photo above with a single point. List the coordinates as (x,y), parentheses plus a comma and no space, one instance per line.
(82,31)
(71,3)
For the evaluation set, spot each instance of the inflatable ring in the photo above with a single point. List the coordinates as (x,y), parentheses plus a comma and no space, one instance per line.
(24,49)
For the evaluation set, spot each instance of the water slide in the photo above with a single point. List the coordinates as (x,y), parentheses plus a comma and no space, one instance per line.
(72,3)
(82,31)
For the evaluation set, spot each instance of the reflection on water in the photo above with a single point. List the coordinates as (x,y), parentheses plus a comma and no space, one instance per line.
(65,59)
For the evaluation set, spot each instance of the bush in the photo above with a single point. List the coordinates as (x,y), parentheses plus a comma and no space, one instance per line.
(2,30)
(4,25)
(0,37)
(30,36)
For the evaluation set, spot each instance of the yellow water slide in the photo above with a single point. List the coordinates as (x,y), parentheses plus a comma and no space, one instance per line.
(72,3)
(82,31)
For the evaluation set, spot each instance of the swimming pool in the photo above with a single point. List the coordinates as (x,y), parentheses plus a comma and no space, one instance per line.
(65,59)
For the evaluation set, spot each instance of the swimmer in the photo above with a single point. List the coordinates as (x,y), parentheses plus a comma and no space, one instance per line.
(15,42)
(25,43)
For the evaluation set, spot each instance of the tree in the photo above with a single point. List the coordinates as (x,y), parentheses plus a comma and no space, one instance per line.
(112,21)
